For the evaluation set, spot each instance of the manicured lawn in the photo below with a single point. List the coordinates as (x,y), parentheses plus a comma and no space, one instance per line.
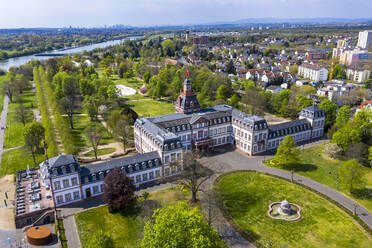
(13,133)
(151,107)
(81,122)
(28,100)
(18,159)
(100,152)
(317,166)
(125,227)
(247,195)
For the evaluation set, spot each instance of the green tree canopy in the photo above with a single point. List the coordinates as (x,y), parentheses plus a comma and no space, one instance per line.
(179,226)
(345,136)
(287,152)
(33,135)
(343,115)
(351,175)
(330,110)
(101,239)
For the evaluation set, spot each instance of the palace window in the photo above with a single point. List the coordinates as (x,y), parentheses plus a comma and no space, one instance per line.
(138,178)
(76,195)
(74,181)
(68,197)
(95,189)
(144,177)
(59,199)
(57,185)
(157,173)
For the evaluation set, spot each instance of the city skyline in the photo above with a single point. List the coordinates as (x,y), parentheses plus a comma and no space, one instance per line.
(40,13)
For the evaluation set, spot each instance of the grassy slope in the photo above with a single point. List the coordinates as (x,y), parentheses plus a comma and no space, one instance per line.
(248,195)
(125,227)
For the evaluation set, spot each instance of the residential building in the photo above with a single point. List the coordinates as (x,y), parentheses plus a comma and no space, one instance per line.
(313,72)
(357,74)
(355,57)
(365,39)
(315,56)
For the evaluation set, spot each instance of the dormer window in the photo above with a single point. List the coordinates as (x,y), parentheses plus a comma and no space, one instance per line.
(55,172)
(143,164)
(172,146)
(63,169)
(86,179)
(72,168)
(94,177)
(137,167)
(150,163)
(101,175)
(165,147)
(157,161)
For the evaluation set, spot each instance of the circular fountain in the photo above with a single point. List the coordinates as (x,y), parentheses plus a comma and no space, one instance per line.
(284,211)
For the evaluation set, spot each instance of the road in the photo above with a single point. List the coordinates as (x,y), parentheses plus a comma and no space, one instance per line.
(4,114)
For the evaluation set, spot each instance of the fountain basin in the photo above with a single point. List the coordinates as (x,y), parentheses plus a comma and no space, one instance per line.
(292,213)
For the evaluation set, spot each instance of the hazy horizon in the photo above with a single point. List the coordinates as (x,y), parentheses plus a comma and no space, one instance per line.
(96,13)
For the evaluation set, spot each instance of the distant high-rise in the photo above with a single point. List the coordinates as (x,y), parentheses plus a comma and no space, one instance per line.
(365,39)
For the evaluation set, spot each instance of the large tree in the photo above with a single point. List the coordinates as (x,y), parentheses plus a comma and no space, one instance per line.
(287,152)
(179,226)
(351,175)
(33,135)
(119,190)
(193,174)
(330,110)
(123,131)
(343,115)
(345,136)
(21,113)
(94,134)
(70,89)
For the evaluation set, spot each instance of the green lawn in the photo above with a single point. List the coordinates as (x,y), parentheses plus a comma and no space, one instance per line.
(13,133)
(100,152)
(317,166)
(18,159)
(247,195)
(151,107)
(125,227)
(81,122)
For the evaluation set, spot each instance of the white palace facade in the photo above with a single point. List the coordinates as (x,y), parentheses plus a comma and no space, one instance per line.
(160,142)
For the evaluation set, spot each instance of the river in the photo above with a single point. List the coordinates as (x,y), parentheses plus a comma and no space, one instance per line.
(5,64)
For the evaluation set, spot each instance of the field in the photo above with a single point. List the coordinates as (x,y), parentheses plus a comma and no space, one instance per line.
(126,226)
(316,165)
(247,195)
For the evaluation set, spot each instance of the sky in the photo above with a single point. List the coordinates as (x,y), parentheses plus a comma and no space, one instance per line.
(93,13)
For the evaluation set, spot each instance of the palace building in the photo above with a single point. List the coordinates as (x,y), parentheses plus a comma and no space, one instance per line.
(160,142)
